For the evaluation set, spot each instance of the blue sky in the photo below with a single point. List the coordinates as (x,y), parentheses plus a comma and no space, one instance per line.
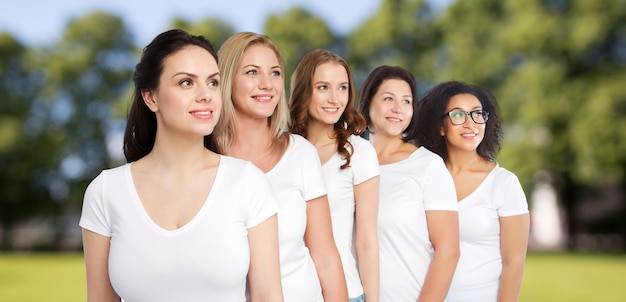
(37,22)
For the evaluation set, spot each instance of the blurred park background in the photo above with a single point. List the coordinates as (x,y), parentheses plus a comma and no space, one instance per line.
(557,68)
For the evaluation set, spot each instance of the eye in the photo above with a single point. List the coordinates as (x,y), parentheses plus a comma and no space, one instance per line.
(388,98)
(276,73)
(214,83)
(406,101)
(457,114)
(251,72)
(322,87)
(343,87)
(185,82)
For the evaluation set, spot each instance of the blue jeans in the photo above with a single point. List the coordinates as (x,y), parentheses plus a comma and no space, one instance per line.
(360,298)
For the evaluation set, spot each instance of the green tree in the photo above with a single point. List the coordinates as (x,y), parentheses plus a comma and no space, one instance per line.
(216,31)
(297,32)
(24,140)
(84,75)
(400,33)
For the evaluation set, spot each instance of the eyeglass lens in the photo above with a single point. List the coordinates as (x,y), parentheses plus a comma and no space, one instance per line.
(459,117)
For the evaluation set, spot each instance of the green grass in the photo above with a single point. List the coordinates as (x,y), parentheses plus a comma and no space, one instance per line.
(574,277)
(42,277)
(571,277)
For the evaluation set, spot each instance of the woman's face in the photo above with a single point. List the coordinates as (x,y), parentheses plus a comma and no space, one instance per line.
(331,90)
(391,108)
(187,100)
(258,83)
(467,135)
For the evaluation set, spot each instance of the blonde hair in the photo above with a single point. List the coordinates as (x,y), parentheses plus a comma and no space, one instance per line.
(230,55)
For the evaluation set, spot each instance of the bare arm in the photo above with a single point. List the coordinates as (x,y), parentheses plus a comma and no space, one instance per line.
(366,239)
(513,244)
(96,250)
(264,273)
(319,239)
(443,227)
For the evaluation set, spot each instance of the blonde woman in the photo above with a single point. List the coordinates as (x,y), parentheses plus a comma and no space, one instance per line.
(252,70)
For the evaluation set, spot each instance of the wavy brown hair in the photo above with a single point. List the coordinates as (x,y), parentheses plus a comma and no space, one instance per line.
(351,121)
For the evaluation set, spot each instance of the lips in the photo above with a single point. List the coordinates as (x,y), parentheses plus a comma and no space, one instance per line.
(263,98)
(469,135)
(205,113)
(330,110)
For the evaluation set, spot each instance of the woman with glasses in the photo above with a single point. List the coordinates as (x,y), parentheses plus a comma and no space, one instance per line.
(417,214)
(460,123)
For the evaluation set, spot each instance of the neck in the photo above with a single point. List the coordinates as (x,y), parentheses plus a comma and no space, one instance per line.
(320,134)
(459,161)
(385,145)
(178,152)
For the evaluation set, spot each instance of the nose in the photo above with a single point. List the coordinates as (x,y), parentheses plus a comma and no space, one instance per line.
(265,83)
(397,107)
(333,97)
(205,93)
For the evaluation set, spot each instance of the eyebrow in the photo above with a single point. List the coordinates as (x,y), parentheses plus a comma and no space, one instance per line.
(259,67)
(393,94)
(191,75)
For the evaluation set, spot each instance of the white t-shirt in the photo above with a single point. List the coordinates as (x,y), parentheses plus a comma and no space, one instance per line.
(295,179)
(477,275)
(408,189)
(340,185)
(207,259)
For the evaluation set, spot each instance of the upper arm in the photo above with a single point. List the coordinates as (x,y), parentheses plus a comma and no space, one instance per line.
(264,273)
(319,234)
(443,229)
(514,231)
(366,199)
(96,250)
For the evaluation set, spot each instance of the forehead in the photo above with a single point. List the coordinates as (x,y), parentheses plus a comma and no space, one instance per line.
(259,54)
(190,59)
(395,86)
(464,101)
(328,71)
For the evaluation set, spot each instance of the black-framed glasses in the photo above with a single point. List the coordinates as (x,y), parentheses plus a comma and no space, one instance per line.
(459,117)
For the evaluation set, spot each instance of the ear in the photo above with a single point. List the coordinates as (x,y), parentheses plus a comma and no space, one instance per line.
(442,132)
(148,98)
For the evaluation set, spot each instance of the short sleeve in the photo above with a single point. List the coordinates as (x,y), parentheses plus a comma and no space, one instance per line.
(262,202)
(511,199)
(364,160)
(439,190)
(313,181)
(94,215)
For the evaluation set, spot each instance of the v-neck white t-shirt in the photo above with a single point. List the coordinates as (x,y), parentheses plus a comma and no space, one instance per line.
(477,275)
(340,185)
(409,188)
(207,259)
(297,178)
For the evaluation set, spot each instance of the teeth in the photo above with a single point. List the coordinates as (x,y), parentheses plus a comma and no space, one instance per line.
(331,109)
(202,113)
(264,98)
(393,119)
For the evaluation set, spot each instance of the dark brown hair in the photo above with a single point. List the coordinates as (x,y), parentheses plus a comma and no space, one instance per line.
(141,125)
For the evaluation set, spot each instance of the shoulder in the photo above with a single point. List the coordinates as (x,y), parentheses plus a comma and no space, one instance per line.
(300,144)
(239,167)
(424,154)
(504,176)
